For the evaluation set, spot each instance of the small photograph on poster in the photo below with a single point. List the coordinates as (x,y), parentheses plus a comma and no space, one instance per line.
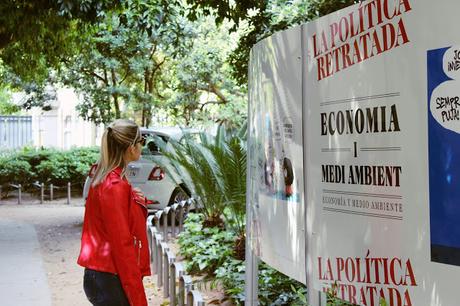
(443,73)
(279,178)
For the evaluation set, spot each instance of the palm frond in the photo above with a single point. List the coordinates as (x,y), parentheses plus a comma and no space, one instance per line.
(215,170)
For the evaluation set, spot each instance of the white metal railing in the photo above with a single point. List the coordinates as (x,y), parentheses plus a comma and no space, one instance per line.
(163,261)
(41,186)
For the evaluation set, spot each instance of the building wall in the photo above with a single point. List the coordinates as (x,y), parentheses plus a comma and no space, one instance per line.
(15,131)
(61,127)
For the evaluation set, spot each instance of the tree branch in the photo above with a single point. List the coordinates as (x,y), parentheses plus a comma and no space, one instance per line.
(213,89)
(94,74)
(211,102)
(152,51)
(157,67)
(114,77)
(126,75)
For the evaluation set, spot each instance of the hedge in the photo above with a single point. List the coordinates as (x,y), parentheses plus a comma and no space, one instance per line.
(50,166)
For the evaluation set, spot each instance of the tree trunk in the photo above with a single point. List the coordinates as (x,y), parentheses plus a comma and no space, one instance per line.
(117,106)
(148,120)
(143,117)
(115,96)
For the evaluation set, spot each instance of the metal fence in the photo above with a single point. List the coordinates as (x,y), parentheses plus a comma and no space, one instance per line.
(177,286)
(15,131)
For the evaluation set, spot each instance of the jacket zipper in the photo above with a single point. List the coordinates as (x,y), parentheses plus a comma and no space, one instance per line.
(138,244)
(139,253)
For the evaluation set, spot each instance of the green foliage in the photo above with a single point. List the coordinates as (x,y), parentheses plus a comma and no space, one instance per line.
(46,165)
(6,106)
(209,251)
(133,58)
(12,171)
(261,19)
(215,171)
(144,59)
(69,166)
(205,249)
(231,275)
(230,154)
(121,61)
(274,287)
(236,11)
(194,163)
(37,34)
(99,73)
(36,94)
(34,156)
(204,91)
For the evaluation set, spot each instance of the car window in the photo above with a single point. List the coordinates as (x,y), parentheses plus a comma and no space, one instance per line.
(151,147)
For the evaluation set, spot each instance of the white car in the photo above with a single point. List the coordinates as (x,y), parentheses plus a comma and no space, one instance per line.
(157,185)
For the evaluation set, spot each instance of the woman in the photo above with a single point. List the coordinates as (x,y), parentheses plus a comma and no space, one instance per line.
(114,248)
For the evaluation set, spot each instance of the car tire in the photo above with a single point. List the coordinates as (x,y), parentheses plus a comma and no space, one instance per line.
(179,194)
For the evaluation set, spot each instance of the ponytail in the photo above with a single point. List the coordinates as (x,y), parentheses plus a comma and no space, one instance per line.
(117,137)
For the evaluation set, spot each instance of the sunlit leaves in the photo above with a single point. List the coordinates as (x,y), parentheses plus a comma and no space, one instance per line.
(36,35)
(262,18)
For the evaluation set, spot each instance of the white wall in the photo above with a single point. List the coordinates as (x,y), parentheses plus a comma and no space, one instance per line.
(61,127)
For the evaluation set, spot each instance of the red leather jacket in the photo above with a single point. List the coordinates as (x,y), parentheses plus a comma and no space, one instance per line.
(114,236)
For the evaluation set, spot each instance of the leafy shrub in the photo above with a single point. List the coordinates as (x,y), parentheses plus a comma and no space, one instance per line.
(35,156)
(215,170)
(82,161)
(205,249)
(231,276)
(209,251)
(28,165)
(13,171)
(275,288)
(67,166)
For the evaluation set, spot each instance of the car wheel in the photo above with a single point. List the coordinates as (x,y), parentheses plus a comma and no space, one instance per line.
(179,194)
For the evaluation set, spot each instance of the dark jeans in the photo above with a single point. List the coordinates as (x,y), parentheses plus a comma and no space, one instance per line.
(104,289)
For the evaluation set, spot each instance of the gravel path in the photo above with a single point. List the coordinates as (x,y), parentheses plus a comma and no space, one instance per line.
(58,228)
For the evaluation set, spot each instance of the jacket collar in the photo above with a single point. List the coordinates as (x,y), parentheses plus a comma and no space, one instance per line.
(117,171)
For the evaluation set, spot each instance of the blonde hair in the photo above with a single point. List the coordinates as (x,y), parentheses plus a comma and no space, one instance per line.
(117,138)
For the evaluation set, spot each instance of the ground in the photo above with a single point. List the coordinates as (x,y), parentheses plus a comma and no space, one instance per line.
(58,227)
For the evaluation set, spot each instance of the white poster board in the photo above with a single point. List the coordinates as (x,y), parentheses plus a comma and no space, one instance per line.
(275,153)
(382,113)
